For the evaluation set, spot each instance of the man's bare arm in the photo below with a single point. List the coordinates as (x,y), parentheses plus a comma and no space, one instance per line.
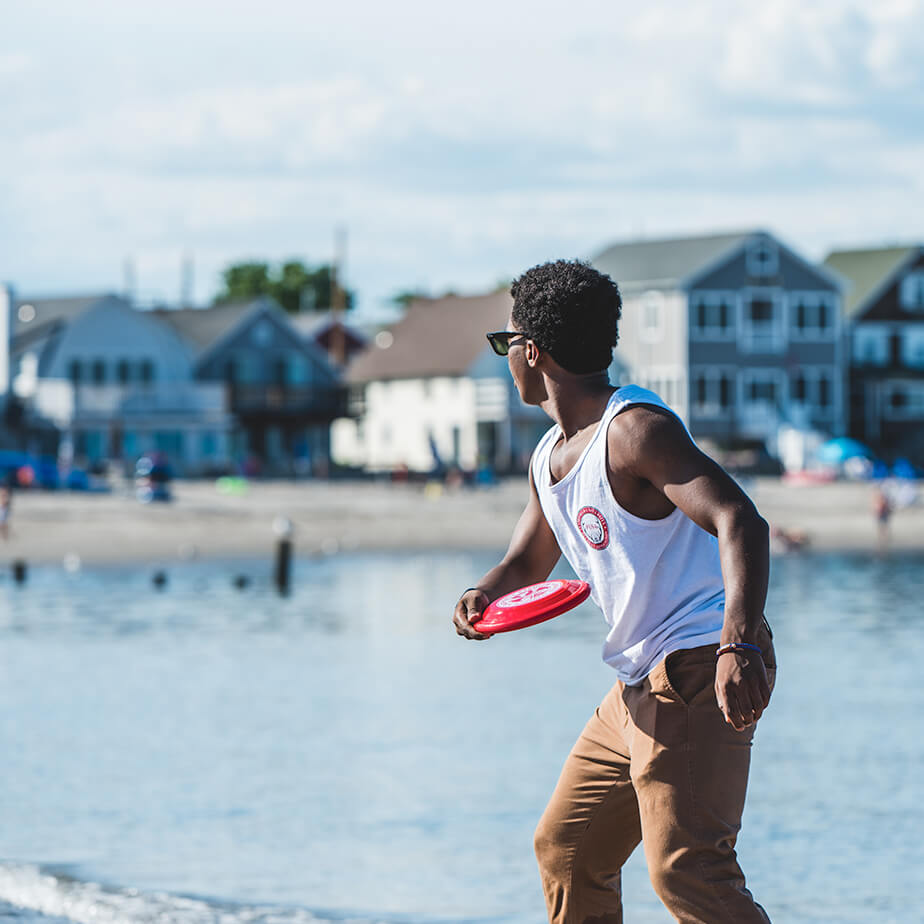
(656,447)
(531,556)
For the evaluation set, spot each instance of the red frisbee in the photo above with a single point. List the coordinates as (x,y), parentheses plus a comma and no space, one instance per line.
(531,605)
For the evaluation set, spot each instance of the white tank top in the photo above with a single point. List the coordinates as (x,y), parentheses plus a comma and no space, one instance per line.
(658,582)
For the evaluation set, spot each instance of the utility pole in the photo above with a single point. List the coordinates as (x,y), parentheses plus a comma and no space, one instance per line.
(338,299)
(186,280)
(128,279)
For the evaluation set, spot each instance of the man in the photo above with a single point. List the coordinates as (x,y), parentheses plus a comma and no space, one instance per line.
(678,560)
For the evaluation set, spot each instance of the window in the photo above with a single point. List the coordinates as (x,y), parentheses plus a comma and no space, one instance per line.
(297,369)
(725,383)
(75,371)
(905,400)
(813,388)
(262,333)
(824,391)
(279,371)
(248,368)
(170,442)
(146,371)
(760,311)
(712,314)
(208,443)
(99,372)
(762,325)
(912,291)
(762,260)
(811,315)
(652,308)
(762,391)
(123,371)
(712,391)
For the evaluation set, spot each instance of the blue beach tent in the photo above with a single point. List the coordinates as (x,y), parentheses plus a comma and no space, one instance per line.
(839,450)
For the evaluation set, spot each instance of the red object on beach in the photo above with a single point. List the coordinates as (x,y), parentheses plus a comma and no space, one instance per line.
(531,605)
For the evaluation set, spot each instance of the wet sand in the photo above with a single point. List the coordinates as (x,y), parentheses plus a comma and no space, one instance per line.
(345,516)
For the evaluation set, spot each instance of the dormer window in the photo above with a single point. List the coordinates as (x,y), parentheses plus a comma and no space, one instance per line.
(762,260)
(912,291)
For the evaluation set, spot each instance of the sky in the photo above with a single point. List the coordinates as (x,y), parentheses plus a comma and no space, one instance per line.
(451,145)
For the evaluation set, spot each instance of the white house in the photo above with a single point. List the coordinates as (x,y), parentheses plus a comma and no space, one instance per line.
(431,393)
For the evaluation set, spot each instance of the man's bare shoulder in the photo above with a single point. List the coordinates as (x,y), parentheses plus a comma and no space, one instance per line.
(645,427)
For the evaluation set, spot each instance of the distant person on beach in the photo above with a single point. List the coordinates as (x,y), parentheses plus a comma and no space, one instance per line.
(6,502)
(882,511)
(677,557)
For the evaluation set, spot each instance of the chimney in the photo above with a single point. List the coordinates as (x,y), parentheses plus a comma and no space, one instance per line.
(7,306)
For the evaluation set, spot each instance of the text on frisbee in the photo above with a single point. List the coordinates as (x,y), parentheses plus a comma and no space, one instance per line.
(531,605)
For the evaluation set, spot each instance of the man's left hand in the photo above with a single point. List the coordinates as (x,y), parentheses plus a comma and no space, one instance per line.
(742,688)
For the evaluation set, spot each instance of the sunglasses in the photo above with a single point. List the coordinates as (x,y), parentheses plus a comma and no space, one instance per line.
(502,340)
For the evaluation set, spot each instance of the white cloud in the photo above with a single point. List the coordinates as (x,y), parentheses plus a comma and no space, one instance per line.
(455,147)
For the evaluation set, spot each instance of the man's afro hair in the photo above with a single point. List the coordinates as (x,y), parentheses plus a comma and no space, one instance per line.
(571,311)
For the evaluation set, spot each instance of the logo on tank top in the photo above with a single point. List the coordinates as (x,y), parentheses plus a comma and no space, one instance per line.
(592,525)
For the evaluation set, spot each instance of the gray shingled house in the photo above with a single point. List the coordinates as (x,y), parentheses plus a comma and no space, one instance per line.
(98,380)
(885,314)
(737,332)
(281,389)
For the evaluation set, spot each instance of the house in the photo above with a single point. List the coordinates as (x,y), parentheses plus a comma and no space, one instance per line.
(737,332)
(113,382)
(281,389)
(430,393)
(885,316)
(327,330)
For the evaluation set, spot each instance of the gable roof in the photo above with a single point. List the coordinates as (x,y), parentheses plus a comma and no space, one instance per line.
(206,330)
(437,336)
(666,262)
(202,327)
(315,324)
(54,310)
(868,270)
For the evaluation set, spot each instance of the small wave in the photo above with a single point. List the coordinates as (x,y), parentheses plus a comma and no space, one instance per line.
(53,898)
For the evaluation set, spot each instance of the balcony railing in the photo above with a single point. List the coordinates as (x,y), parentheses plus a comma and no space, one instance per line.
(288,399)
(65,401)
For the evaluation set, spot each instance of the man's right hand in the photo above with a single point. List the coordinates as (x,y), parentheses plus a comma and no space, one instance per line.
(468,611)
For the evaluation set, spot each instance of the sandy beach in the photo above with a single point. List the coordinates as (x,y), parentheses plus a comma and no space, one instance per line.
(332,517)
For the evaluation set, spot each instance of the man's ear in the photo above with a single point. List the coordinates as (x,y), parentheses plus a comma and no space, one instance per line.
(532,354)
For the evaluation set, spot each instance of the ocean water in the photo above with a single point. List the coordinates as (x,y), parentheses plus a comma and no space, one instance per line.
(203,754)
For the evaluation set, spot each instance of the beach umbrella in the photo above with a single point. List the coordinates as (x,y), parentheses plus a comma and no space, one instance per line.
(839,450)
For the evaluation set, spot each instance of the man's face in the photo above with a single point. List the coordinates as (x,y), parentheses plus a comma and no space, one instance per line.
(526,377)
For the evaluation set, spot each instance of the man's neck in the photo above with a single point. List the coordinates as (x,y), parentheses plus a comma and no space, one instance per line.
(577,402)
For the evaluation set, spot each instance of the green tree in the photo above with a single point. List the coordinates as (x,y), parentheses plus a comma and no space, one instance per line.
(294,285)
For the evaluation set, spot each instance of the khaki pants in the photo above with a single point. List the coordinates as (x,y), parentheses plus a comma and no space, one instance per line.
(657,763)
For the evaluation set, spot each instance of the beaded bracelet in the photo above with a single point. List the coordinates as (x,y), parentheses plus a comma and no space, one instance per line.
(735,648)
